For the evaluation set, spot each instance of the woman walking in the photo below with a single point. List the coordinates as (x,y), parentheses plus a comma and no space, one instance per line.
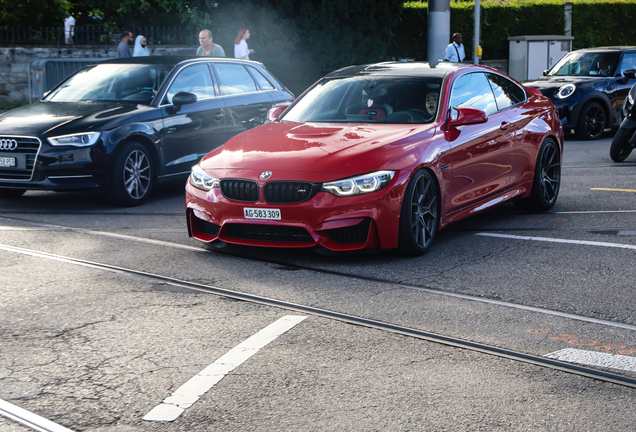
(241,50)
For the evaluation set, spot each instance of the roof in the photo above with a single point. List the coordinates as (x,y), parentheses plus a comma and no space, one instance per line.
(609,48)
(437,70)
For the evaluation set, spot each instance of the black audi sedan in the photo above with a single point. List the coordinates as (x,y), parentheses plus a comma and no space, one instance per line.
(588,88)
(122,125)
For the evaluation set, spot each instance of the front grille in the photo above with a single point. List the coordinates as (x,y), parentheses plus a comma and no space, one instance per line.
(282,192)
(351,234)
(268,233)
(28,147)
(240,190)
(208,227)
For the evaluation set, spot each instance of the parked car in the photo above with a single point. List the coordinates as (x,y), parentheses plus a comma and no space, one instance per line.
(380,156)
(588,88)
(123,124)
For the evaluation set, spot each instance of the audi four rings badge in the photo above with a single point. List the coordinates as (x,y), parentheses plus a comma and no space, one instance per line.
(265,175)
(8,144)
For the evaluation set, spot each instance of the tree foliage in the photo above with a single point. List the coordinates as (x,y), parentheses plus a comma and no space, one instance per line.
(33,13)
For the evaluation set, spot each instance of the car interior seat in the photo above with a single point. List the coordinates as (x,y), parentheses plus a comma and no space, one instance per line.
(375,108)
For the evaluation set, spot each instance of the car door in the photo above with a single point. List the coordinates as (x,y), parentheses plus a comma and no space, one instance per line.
(190,131)
(616,90)
(246,104)
(481,153)
(510,100)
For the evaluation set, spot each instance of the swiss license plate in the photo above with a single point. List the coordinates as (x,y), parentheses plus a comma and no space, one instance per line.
(7,162)
(259,213)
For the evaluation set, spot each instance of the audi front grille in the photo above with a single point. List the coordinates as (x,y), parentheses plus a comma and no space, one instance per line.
(23,149)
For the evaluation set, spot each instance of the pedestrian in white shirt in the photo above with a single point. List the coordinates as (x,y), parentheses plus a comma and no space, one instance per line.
(69,29)
(241,50)
(455,51)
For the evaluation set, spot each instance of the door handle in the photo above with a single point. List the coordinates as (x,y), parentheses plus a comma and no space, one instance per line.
(504,125)
(218,116)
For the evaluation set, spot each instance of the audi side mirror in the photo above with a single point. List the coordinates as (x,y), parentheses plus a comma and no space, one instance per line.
(183,98)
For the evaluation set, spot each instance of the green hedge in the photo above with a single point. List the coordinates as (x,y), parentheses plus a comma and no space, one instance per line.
(599,23)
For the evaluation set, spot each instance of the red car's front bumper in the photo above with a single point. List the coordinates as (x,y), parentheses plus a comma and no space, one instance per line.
(336,223)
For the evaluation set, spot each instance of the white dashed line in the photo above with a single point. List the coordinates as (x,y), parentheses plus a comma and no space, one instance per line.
(186,395)
(592,358)
(27,418)
(556,240)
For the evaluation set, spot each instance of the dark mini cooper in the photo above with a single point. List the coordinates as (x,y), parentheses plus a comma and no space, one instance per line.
(588,88)
(123,124)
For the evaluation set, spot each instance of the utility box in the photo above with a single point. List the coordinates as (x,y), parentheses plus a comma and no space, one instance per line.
(529,56)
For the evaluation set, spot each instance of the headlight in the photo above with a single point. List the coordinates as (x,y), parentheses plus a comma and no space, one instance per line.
(359,185)
(202,180)
(77,140)
(565,91)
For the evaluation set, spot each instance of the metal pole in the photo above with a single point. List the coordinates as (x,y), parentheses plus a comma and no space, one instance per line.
(438,29)
(476,47)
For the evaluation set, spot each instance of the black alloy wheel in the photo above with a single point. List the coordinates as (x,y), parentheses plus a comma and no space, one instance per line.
(547,179)
(419,217)
(621,148)
(592,122)
(133,176)
(11,193)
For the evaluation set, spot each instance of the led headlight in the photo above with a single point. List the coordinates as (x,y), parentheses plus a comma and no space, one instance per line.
(565,91)
(360,184)
(202,180)
(76,140)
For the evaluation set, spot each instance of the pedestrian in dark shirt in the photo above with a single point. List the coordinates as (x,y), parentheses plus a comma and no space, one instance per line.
(122,49)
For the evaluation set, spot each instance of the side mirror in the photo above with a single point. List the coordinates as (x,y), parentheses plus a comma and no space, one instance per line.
(466,116)
(629,73)
(183,98)
(276,111)
(545,72)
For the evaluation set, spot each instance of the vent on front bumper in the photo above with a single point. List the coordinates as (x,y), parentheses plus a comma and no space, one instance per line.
(352,234)
(26,146)
(268,233)
(288,192)
(208,227)
(240,190)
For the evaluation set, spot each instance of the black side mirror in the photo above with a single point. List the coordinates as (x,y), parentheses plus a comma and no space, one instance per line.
(545,72)
(183,98)
(629,73)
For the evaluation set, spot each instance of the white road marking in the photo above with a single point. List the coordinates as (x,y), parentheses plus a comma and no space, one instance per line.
(27,418)
(593,358)
(556,240)
(186,395)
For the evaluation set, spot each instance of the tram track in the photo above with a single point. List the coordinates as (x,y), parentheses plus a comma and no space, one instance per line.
(342,317)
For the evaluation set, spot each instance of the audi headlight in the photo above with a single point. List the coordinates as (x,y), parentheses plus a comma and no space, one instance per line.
(202,180)
(77,140)
(360,184)
(565,91)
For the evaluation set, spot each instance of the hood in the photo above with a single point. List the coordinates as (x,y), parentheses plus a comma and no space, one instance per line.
(316,147)
(60,118)
(554,82)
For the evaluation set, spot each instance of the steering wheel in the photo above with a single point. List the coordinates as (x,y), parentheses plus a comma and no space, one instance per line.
(427,116)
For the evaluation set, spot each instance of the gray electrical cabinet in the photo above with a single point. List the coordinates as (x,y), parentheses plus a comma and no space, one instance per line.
(529,56)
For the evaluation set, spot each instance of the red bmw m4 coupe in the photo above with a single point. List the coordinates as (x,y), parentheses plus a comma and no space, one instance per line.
(380,157)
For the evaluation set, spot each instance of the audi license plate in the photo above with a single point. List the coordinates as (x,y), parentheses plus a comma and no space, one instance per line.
(9,162)
(256,213)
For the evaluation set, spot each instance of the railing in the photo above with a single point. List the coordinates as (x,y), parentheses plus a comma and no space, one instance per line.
(93,35)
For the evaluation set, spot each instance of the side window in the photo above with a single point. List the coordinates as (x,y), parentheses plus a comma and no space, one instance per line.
(262,82)
(193,79)
(234,79)
(629,62)
(473,91)
(506,92)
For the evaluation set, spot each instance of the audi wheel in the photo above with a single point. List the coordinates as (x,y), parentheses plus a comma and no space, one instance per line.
(133,176)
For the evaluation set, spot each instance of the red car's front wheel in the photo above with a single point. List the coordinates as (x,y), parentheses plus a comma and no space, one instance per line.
(420,215)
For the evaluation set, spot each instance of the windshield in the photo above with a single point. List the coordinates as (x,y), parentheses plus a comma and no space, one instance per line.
(586,64)
(112,82)
(369,100)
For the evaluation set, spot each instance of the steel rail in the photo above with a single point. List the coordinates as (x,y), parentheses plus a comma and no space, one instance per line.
(349,319)
(28,419)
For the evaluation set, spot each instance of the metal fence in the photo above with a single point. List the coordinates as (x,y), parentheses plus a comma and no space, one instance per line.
(93,35)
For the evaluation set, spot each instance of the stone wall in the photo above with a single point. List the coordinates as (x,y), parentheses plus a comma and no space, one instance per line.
(15,61)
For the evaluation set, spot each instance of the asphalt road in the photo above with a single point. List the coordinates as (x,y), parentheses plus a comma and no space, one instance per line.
(98,326)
